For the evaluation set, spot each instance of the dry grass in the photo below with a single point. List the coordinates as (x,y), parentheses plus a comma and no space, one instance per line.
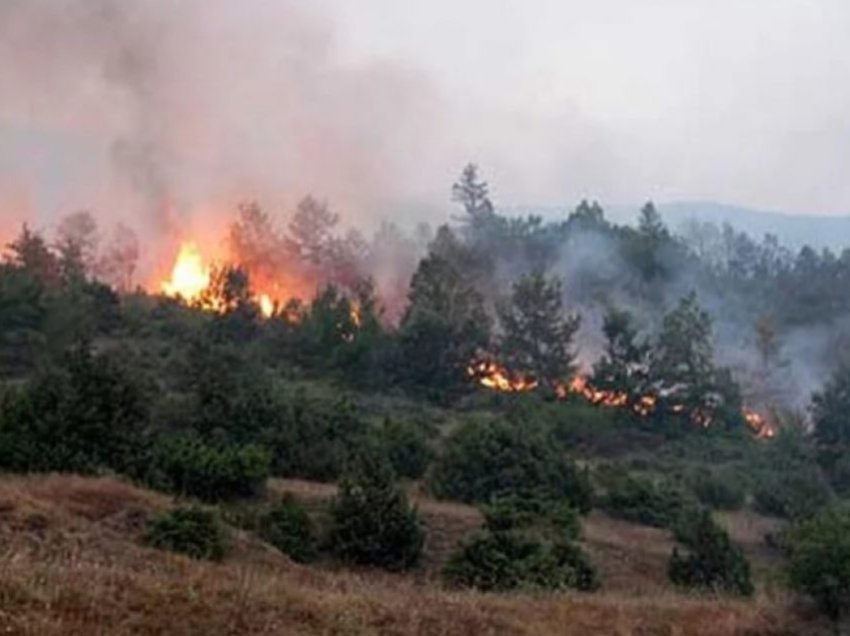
(71,563)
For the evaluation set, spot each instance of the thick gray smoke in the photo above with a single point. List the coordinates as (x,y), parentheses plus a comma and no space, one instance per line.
(165,114)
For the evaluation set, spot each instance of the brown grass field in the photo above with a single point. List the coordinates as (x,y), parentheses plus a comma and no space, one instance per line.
(72,562)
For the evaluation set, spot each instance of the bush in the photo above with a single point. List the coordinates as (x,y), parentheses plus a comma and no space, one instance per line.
(819,563)
(85,415)
(316,438)
(722,491)
(406,446)
(557,519)
(372,522)
(502,561)
(288,527)
(712,562)
(648,502)
(192,531)
(793,495)
(481,461)
(187,466)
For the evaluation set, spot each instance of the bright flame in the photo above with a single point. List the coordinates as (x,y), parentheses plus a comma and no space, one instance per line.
(189,276)
(492,375)
(356,320)
(267,305)
(757,423)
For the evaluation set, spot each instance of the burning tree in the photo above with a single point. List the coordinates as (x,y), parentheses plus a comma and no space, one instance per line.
(683,371)
(537,338)
(625,366)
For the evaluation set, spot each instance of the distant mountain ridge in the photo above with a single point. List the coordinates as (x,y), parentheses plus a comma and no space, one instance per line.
(792,230)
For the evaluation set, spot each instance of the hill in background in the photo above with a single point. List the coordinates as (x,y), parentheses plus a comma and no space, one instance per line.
(792,230)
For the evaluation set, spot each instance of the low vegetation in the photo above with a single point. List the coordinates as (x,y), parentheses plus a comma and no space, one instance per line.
(372,521)
(469,395)
(193,531)
(712,562)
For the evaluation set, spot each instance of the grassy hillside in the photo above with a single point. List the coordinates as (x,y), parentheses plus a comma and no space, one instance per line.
(72,562)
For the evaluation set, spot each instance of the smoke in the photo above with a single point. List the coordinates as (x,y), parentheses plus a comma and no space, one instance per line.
(164,115)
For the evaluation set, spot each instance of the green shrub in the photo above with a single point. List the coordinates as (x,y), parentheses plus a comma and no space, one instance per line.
(288,527)
(723,491)
(641,500)
(187,466)
(316,438)
(193,531)
(500,561)
(551,518)
(712,562)
(797,494)
(84,415)
(481,461)
(819,563)
(372,522)
(406,446)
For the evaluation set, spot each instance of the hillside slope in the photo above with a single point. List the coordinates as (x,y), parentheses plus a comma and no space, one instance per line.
(72,562)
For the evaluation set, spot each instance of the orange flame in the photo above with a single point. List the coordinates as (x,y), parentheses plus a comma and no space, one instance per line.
(495,376)
(189,276)
(759,425)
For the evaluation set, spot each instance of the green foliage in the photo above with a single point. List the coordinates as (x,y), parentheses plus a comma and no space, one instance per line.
(484,460)
(405,445)
(538,336)
(190,467)
(501,561)
(230,399)
(653,503)
(819,563)
(372,521)
(316,437)
(327,331)
(288,527)
(23,311)
(85,415)
(555,519)
(684,356)
(625,365)
(682,369)
(443,328)
(193,531)
(712,561)
(793,495)
(719,490)
(830,407)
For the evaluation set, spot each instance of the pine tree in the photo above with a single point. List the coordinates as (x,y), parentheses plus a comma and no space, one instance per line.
(538,335)
(372,521)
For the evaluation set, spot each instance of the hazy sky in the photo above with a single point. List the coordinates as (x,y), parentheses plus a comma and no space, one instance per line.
(745,101)
(369,101)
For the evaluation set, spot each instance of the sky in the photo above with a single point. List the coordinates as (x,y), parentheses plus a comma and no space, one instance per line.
(742,101)
(161,109)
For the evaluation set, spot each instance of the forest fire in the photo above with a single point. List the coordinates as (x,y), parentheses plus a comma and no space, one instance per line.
(494,376)
(189,276)
(759,425)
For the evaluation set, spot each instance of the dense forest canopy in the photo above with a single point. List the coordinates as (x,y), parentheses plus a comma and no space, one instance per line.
(520,296)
